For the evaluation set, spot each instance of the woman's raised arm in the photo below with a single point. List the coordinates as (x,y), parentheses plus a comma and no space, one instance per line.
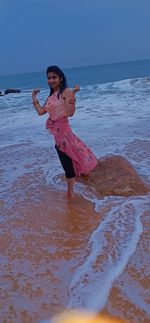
(70,100)
(36,103)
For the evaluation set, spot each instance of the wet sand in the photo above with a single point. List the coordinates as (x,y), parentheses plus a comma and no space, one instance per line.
(44,239)
(42,243)
(130,295)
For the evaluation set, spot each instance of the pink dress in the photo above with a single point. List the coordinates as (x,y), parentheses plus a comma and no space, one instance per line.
(82,157)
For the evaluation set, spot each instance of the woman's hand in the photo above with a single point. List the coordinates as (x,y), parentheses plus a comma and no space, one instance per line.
(34,93)
(76,88)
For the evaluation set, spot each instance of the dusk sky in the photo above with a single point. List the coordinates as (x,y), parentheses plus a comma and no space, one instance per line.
(38,33)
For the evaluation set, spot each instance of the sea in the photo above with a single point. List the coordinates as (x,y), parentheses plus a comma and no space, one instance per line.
(89,252)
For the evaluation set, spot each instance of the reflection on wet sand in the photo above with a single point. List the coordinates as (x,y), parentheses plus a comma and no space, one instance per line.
(50,246)
(42,238)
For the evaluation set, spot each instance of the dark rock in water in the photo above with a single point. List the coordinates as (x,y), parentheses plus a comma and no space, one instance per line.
(114,175)
(12,91)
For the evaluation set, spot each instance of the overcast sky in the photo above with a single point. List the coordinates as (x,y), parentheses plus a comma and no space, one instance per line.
(37,33)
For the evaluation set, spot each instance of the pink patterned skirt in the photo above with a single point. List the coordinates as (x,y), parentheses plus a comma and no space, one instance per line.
(82,157)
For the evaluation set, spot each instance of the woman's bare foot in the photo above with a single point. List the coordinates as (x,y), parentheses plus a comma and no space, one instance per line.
(69,195)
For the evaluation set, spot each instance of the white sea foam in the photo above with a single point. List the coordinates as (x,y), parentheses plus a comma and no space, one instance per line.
(103,110)
(109,249)
(136,297)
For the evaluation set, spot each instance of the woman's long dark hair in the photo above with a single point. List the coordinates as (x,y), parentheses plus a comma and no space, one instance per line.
(55,69)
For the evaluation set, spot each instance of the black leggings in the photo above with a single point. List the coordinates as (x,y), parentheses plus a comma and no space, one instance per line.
(66,163)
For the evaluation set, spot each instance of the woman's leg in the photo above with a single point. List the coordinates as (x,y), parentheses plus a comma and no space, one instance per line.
(67,165)
(70,186)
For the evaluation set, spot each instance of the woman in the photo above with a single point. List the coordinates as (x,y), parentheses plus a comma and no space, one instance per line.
(76,158)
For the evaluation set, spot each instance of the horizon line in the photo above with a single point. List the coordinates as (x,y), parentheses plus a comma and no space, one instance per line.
(77,67)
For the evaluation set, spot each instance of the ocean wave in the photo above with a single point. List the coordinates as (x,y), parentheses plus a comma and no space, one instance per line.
(109,249)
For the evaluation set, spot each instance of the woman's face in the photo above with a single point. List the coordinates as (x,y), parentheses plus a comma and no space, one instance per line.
(53,81)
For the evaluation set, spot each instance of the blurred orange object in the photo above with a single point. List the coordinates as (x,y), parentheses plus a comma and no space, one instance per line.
(84,317)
